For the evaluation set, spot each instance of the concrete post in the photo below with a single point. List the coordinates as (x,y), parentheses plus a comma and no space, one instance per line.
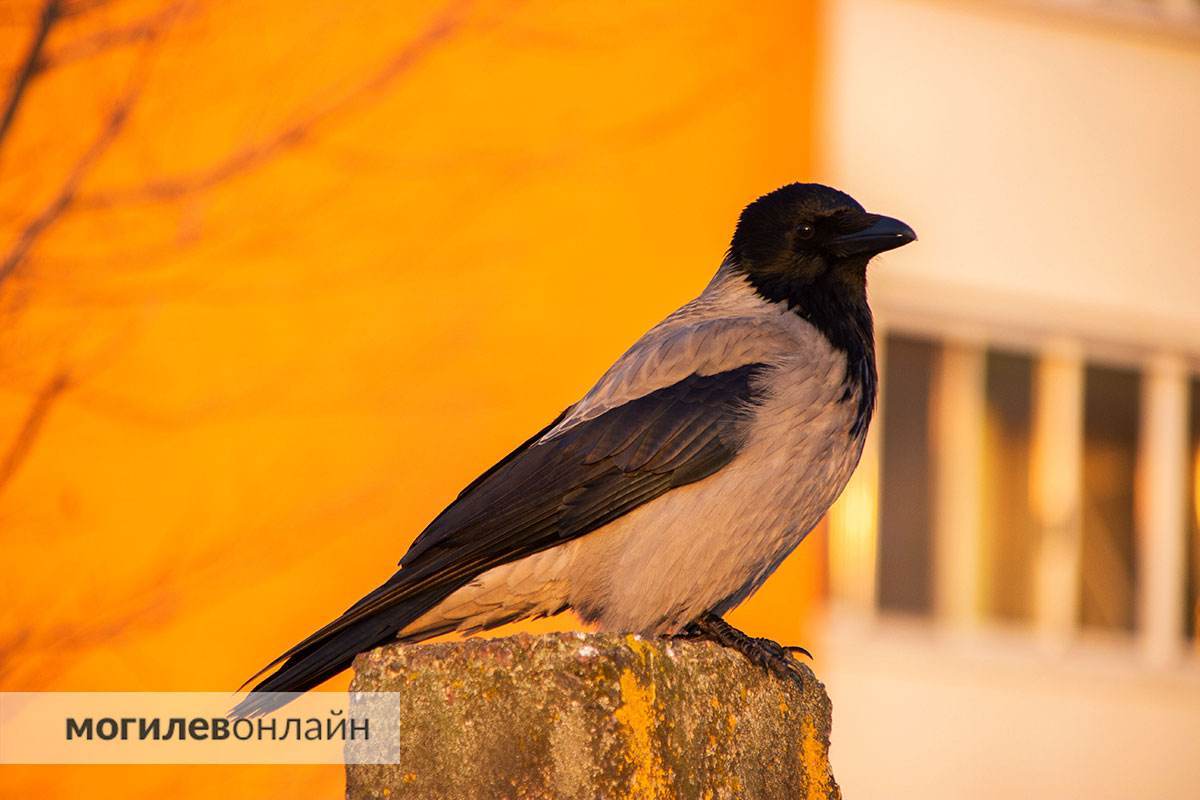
(589,716)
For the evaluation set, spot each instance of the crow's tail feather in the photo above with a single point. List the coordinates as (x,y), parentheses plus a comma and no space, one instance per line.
(333,648)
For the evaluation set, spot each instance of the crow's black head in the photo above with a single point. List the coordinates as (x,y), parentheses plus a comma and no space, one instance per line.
(808,245)
(805,238)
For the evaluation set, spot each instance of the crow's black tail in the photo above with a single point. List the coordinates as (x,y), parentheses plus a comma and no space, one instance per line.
(372,621)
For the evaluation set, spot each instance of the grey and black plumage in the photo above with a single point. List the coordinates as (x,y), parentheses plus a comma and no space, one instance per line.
(681,480)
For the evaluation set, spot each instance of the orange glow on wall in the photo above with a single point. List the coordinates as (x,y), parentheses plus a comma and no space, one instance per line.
(278,279)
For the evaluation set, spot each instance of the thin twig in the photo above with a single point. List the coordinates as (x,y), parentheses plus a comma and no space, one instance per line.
(69,193)
(31,426)
(101,41)
(50,14)
(66,196)
(253,155)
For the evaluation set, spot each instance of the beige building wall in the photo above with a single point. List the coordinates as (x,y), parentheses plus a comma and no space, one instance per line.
(1048,159)
(1038,155)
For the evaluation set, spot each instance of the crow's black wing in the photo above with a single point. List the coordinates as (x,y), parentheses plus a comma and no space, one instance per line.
(594,472)
(545,492)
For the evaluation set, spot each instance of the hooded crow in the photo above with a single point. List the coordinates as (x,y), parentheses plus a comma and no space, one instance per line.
(680,481)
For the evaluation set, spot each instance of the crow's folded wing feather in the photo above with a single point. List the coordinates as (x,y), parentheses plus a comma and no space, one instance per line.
(557,488)
(559,485)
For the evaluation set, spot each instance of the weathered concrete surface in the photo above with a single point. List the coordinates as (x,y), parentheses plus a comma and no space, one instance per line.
(596,716)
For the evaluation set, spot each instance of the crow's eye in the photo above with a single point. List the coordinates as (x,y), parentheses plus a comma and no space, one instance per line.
(805,231)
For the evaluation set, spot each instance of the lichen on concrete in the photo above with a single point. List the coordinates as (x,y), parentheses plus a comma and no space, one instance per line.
(593,716)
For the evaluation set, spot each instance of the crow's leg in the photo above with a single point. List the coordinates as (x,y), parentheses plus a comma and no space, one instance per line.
(767,654)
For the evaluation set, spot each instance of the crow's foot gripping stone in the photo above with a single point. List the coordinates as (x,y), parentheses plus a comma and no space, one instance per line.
(768,654)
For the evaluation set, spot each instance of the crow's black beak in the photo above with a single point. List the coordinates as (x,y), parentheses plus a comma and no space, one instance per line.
(884,233)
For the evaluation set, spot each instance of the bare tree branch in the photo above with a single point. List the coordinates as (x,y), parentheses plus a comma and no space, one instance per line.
(101,41)
(66,196)
(31,426)
(75,8)
(253,155)
(51,12)
(445,25)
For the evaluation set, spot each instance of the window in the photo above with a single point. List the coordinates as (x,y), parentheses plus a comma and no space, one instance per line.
(1108,566)
(906,486)
(1094,579)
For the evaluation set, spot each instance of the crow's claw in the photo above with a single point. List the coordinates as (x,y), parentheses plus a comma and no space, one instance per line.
(767,654)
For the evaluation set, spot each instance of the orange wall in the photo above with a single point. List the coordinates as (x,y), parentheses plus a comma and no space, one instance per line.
(333,261)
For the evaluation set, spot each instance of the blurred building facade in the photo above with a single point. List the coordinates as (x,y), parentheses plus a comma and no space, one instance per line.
(1013,570)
